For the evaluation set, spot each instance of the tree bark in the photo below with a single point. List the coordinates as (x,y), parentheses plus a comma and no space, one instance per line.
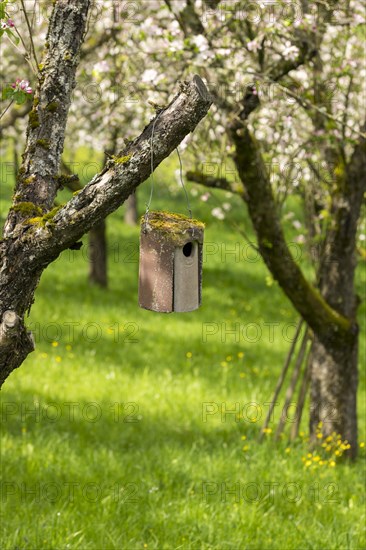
(333,393)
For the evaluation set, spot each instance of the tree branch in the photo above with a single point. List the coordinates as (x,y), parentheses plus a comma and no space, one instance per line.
(109,189)
(215,183)
(38,241)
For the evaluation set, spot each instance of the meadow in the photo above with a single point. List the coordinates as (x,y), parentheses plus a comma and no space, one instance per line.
(132,429)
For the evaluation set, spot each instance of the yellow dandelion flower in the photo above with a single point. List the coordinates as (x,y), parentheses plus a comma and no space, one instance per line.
(58,359)
(362,444)
(321,462)
(308,463)
(240,355)
(316,458)
(246,448)
(287,450)
(319,435)
(242,375)
(332,463)
(54,344)
(44,355)
(68,347)
(243,437)
(328,448)
(189,354)
(223,364)
(229,358)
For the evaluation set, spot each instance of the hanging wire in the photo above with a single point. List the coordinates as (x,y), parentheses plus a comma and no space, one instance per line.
(152,166)
(148,204)
(181,181)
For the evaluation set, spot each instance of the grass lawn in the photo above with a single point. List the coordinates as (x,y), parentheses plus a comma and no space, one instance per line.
(117,430)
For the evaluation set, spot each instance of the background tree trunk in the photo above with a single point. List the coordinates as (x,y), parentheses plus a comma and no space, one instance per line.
(333,393)
(98,271)
(131,214)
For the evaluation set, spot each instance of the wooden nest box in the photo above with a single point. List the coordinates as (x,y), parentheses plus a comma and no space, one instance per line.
(170,277)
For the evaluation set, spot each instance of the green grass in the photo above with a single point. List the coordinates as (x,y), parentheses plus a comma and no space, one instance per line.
(118,452)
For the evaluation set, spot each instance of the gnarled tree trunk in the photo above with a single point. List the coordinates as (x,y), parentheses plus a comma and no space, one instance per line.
(333,393)
(35,233)
(329,308)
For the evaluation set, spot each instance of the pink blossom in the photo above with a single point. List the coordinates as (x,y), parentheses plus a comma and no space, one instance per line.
(7,24)
(22,85)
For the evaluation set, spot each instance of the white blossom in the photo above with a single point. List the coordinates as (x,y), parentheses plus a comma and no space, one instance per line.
(149,76)
(218,213)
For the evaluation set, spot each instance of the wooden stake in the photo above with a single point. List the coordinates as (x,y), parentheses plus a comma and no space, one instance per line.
(281,379)
(301,401)
(293,382)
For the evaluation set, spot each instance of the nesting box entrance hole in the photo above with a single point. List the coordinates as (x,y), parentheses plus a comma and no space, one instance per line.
(187,249)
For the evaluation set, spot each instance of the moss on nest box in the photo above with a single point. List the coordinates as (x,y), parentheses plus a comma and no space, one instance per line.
(173,227)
